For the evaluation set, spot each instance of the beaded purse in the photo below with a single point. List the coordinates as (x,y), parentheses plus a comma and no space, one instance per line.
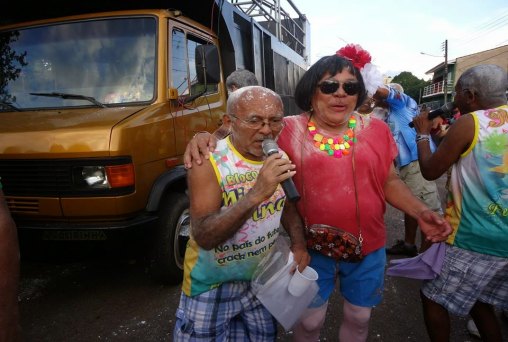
(334,243)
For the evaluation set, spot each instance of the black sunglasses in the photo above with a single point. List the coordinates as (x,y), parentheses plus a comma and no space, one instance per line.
(329,87)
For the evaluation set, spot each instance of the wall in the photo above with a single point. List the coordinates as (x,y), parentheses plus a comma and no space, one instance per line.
(497,56)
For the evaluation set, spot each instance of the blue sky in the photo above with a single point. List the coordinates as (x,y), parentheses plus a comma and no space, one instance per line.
(396,31)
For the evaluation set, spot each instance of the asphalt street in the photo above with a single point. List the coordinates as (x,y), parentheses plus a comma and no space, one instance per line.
(82,294)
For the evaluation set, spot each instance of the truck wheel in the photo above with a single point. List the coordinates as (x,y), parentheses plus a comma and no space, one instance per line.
(170,240)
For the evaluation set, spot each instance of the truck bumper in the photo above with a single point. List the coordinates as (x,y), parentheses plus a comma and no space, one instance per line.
(82,231)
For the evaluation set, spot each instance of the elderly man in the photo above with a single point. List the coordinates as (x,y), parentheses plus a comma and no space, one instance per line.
(9,275)
(474,277)
(236,206)
(401,111)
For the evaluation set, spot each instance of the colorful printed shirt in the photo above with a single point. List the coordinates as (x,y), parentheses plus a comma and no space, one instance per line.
(326,183)
(402,111)
(237,258)
(477,205)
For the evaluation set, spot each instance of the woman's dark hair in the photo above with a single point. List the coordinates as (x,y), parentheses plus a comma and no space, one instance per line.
(326,65)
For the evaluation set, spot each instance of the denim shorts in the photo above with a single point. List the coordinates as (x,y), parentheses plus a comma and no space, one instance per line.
(361,283)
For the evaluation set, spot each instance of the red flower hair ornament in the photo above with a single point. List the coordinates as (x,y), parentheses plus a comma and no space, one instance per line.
(361,59)
(356,54)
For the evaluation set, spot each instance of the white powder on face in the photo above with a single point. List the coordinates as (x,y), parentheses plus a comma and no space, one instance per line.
(260,99)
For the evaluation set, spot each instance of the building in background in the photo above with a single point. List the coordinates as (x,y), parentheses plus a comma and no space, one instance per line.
(433,95)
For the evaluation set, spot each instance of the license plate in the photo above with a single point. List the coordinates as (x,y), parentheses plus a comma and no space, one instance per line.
(74,235)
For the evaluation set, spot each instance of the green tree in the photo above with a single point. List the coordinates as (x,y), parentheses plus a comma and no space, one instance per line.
(411,84)
(11,62)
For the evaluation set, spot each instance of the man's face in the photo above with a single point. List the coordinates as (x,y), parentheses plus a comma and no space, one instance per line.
(258,116)
(461,99)
(232,89)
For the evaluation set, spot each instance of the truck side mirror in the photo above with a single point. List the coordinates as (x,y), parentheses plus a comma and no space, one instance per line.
(207,64)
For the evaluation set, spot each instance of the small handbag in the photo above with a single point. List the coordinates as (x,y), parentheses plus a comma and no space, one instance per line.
(332,241)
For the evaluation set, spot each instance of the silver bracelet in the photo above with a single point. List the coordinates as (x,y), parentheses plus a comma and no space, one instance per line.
(420,137)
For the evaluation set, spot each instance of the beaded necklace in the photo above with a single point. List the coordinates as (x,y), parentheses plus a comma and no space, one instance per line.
(336,147)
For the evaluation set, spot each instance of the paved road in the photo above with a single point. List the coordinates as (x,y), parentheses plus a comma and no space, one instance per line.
(85,299)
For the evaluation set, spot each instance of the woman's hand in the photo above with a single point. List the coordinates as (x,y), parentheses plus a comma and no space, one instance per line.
(198,148)
(435,227)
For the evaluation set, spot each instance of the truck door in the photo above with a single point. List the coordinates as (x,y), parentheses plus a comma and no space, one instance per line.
(205,111)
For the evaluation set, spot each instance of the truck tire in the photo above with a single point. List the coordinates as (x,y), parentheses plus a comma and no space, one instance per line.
(170,238)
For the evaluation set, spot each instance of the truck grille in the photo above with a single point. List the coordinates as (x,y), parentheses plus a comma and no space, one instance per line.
(36,177)
(53,178)
(23,206)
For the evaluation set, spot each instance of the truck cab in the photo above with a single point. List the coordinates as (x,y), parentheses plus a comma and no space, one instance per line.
(97,109)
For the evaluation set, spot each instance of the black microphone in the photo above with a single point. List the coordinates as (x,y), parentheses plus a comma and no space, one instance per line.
(270,147)
(445,111)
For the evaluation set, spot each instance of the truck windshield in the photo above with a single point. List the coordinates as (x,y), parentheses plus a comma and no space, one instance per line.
(111,61)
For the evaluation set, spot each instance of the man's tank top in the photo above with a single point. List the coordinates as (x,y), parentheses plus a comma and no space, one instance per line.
(477,206)
(237,258)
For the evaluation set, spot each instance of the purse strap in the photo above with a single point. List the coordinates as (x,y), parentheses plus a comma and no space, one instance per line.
(353,166)
(360,237)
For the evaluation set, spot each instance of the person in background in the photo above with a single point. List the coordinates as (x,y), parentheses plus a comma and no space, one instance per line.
(369,109)
(474,276)
(401,111)
(441,124)
(240,78)
(236,207)
(9,270)
(237,79)
(329,92)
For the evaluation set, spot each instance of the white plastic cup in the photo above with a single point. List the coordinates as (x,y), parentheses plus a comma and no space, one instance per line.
(300,281)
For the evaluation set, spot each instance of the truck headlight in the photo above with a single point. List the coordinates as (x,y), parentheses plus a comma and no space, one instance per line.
(104,176)
(95,176)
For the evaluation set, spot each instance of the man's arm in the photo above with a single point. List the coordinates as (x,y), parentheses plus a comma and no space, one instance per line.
(400,100)
(456,141)
(212,226)
(399,196)
(9,276)
(293,225)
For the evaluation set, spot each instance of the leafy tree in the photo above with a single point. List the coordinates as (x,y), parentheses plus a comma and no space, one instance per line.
(411,84)
(11,62)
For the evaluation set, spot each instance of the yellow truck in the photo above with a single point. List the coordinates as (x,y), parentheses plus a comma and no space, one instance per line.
(96,109)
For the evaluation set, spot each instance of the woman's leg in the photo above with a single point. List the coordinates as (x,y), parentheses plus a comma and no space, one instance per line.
(309,327)
(361,283)
(355,326)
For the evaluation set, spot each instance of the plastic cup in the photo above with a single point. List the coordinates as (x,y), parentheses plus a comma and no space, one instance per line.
(300,281)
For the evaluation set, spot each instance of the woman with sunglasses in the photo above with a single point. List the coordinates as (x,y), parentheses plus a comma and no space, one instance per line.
(344,175)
